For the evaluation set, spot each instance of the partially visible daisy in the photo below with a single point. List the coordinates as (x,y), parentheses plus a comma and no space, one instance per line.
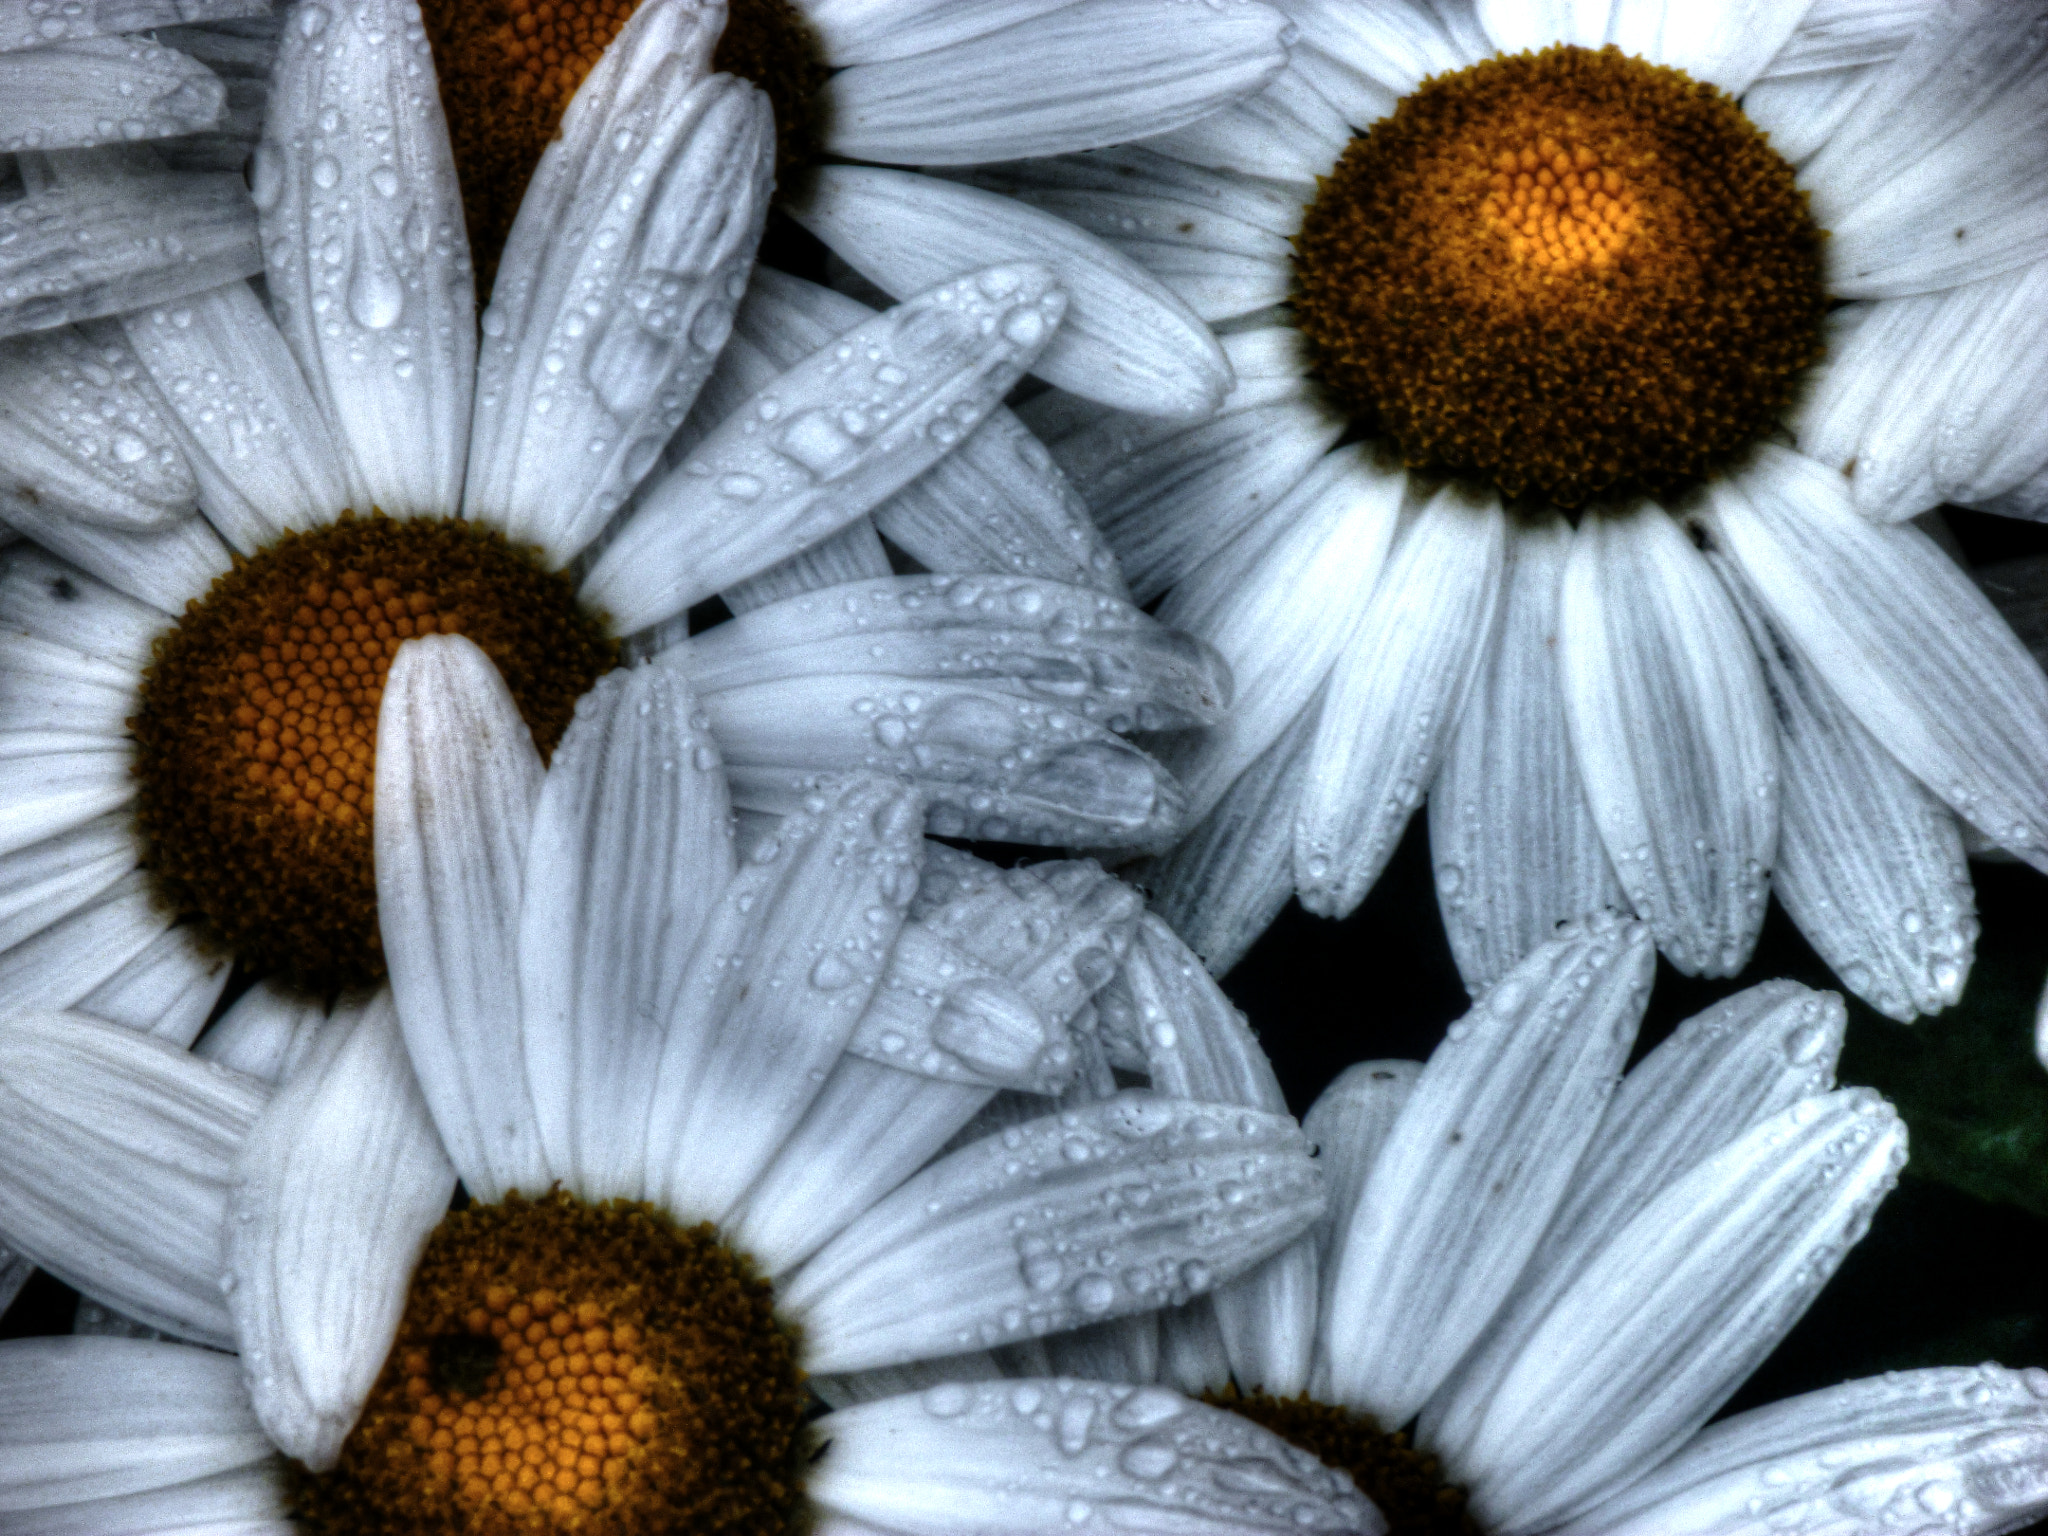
(631,1046)
(1635,650)
(1551,1276)
(253,729)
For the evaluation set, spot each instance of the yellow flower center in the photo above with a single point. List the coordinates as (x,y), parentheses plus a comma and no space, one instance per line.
(1407,1485)
(563,1367)
(256,739)
(1572,274)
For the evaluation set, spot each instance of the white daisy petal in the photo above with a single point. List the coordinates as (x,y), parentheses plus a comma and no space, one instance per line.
(1229,876)
(45,793)
(68,959)
(1666,1321)
(116,1158)
(1726,43)
(105,234)
(1739,1063)
(334,1192)
(30,24)
(1287,131)
(1535,24)
(54,601)
(48,881)
(1348,1125)
(570,413)
(1099,74)
(870,1128)
(1395,696)
(1961,1449)
(166,570)
(262,455)
(631,844)
(1909,210)
(96,1418)
(863,31)
(76,94)
(1128,342)
(856,421)
(249,1501)
(1673,730)
(1397,47)
(458,782)
(1801,113)
(1482,1154)
(1839,34)
(73,702)
(1513,841)
(1008,1458)
(1035,1237)
(1192,1356)
(81,438)
(783,968)
(243,55)
(1903,638)
(854,553)
(365,246)
(167,990)
(1124,1349)
(1283,603)
(269,1033)
(1870,864)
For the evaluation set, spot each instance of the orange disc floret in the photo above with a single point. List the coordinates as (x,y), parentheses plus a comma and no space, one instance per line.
(492,1418)
(256,735)
(1570,274)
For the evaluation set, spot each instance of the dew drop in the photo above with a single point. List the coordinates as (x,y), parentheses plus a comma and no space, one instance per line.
(375,298)
(326,172)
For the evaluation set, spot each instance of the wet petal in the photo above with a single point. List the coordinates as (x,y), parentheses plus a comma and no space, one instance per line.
(102,90)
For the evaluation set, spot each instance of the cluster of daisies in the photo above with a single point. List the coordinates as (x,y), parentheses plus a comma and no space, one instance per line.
(496,1022)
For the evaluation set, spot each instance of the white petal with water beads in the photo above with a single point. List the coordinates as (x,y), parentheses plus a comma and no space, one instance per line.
(458,783)
(102,90)
(37,24)
(1011,1457)
(365,246)
(333,1194)
(115,1156)
(1133,1203)
(830,439)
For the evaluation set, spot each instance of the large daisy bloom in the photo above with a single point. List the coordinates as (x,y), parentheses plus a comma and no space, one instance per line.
(241,731)
(1557,1274)
(1637,649)
(637,1042)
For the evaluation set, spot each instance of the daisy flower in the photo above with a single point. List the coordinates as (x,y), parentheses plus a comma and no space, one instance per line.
(190,699)
(1556,1274)
(1523,305)
(636,1044)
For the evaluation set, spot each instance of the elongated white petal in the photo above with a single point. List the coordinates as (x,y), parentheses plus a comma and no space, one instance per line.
(167,990)
(97,1418)
(458,782)
(335,1190)
(1398,47)
(1030,1234)
(1673,730)
(1961,1446)
(1904,639)
(1348,1125)
(854,553)
(165,569)
(1230,875)
(1870,863)
(45,597)
(263,456)
(1727,43)
(1128,342)
(1395,697)
(114,1161)
(31,24)
(248,1501)
(862,31)
(1683,1304)
(47,881)
(45,793)
(1513,840)
(645,214)
(110,234)
(1288,131)
(1482,1154)
(1283,603)
(1746,1059)
(80,437)
(1024,1456)
(72,700)
(364,243)
(1580,23)
(631,845)
(268,1034)
(1909,210)
(1839,34)
(1802,112)
(783,969)
(830,439)
(76,94)
(1098,74)
(68,959)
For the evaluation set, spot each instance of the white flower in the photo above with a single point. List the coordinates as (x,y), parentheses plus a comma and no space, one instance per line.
(597,993)
(1559,1274)
(1773,686)
(149,454)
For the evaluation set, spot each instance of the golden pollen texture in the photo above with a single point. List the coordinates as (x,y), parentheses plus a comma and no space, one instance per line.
(256,739)
(509,67)
(1572,274)
(1407,1485)
(568,1367)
